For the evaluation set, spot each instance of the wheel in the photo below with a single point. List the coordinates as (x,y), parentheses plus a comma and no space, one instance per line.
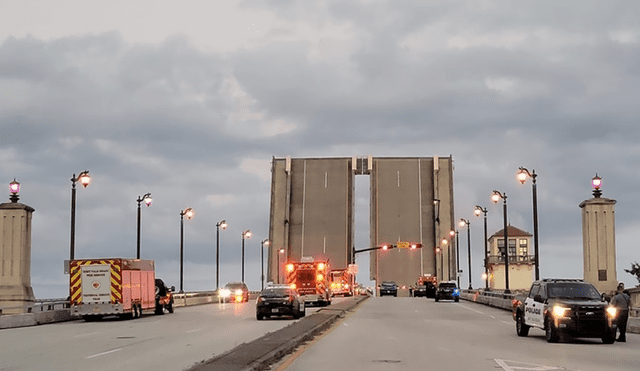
(159,308)
(551,332)
(457,299)
(170,306)
(609,337)
(521,328)
(437,299)
(296,314)
(259,316)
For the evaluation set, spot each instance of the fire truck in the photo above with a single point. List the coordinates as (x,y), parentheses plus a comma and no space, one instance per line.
(124,287)
(342,282)
(311,278)
(431,283)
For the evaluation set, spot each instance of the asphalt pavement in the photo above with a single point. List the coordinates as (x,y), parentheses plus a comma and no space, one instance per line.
(266,350)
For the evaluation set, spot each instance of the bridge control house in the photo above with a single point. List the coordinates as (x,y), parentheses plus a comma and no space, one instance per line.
(521,259)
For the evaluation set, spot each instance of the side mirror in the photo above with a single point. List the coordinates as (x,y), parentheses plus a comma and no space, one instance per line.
(173,288)
(538,299)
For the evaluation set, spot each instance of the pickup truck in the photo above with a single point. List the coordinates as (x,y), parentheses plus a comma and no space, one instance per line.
(565,307)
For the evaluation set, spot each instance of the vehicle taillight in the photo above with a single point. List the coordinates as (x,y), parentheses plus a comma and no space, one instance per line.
(321,266)
(293,286)
(289,267)
(319,277)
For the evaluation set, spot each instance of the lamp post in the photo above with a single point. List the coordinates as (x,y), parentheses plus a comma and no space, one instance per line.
(280,253)
(221,224)
(263,243)
(596,183)
(147,201)
(458,271)
(464,221)
(84,179)
(189,213)
(246,234)
(14,189)
(523,174)
(495,197)
(477,211)
(443,245)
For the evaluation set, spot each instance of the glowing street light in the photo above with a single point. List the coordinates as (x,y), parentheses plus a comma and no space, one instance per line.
(464,221)
(189,213)
(14,189)
(221,224)
(523,174)
(596,183)
(84,179)
(477,211)
(147,201)
(495,197)
(246,234)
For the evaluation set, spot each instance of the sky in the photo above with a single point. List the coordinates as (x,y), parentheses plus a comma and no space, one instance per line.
(191,100)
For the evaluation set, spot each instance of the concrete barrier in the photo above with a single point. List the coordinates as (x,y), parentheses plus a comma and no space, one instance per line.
(59,314)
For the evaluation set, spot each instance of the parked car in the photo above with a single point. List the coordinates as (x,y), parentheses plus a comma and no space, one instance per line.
(448,290)
(235,292)
(279,301)
(388,288)
(164,297)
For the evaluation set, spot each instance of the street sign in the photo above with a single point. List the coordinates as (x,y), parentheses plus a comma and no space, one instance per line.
(352,268)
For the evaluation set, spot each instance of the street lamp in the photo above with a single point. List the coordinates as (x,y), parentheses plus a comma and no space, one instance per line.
(263,243)
(523,174)
(14,189)
(464,221)
(280,253)
(147,201)
(246,234)
(495,197)
(477,211)
(443,243)
(221,224)
(84,179)
(596,183)
(189,213)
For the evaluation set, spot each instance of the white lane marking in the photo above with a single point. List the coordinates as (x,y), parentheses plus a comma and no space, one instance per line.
(471,309)
(523,366)
(103,353)
(83,335)
(196,330)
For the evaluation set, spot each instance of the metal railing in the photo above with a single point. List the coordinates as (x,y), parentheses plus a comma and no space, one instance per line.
(513,259)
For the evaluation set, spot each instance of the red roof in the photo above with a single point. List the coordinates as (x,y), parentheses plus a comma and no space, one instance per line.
(511,232)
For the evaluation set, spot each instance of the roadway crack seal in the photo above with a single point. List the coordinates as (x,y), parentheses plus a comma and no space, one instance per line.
(262,352)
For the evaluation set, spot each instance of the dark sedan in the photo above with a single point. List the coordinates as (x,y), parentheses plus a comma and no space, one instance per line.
(388,288)
(448,290)
(279,301)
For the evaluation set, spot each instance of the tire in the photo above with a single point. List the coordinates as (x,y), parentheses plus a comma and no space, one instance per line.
(457,299)
(609,337)
(550,331)
(170,306)
(437,299)
(159,308)
(521,328)
(259,316)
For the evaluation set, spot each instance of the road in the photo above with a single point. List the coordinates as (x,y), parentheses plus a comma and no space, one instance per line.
(168,342)
(418,334)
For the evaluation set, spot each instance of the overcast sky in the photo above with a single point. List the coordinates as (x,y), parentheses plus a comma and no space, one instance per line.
(190,100)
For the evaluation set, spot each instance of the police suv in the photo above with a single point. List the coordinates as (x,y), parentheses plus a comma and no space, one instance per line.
(565,306)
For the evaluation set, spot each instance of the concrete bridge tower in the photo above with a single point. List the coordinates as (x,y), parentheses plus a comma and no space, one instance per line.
(16,294)
(599,240)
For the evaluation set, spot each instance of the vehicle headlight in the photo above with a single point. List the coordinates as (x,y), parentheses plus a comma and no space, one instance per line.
(225,293)
(259,299)
(238,292)
(559,311)
(612,311)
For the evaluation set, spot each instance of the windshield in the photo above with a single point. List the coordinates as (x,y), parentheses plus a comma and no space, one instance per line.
(276,293)
(234,286)
(388,284)
(573,291)
(448,285)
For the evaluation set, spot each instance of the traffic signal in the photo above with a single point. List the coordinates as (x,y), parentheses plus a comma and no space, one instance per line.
(416,246)
(386,246)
